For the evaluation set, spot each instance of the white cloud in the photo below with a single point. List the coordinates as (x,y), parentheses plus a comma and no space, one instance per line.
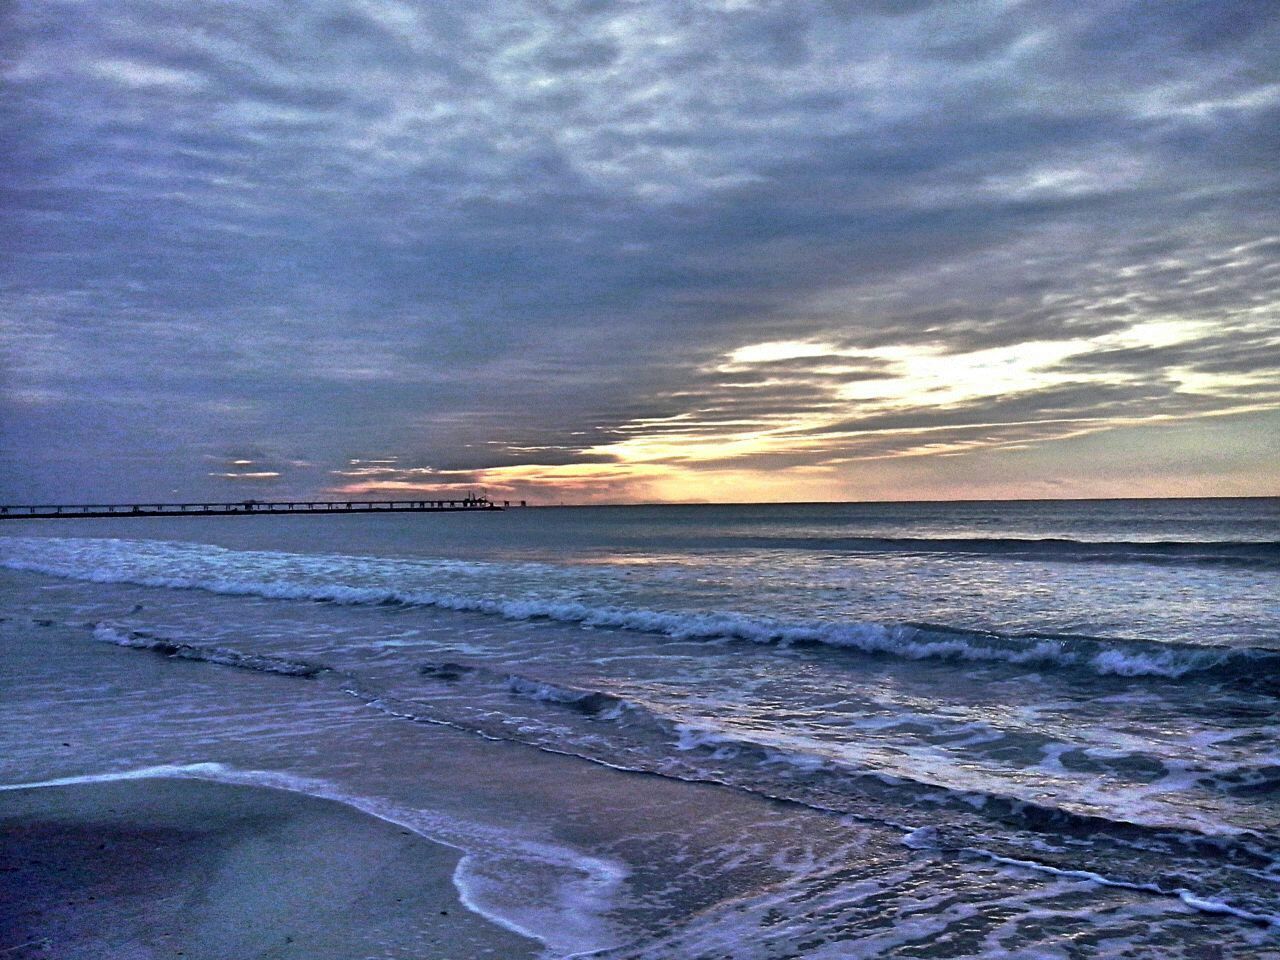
(131,73)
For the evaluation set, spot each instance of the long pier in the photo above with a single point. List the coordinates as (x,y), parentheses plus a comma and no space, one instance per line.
(52,511)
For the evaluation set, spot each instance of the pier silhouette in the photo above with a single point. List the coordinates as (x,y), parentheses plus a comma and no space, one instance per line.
(51,511)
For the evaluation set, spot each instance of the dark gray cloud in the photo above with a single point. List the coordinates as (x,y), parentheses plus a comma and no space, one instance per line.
(493,236)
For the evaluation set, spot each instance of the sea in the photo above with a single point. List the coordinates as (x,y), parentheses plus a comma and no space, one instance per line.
(979,729)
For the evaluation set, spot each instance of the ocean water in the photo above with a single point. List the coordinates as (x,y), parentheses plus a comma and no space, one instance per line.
(1035,729)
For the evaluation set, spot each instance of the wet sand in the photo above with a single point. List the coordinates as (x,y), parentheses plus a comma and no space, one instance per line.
(158,868)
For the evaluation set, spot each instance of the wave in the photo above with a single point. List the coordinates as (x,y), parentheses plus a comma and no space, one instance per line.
(142,640)
(699,744)
(1263,554)
(575,929)
(592,703)
(709,754)
(646,741)
(230,573)
(1213,906)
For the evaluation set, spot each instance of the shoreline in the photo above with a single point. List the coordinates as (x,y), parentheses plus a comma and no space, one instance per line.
(182,867)
(587,858)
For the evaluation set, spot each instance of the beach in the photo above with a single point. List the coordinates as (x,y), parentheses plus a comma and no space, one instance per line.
(163,867)
(649,480)
(630,737)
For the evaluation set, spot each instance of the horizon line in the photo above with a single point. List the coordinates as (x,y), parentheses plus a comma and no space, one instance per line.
(530,504)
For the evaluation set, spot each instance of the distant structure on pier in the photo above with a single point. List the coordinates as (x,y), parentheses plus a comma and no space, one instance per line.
(50,511)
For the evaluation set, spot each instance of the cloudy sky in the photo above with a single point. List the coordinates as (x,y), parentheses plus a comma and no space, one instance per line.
(583,250)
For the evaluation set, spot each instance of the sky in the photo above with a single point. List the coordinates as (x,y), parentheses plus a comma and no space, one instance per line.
(590,251)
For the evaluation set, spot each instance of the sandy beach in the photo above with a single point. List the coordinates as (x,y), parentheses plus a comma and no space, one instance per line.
(183,868)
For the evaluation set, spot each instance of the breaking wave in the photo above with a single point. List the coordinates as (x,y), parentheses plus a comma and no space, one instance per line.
(143,640)
(315,578)
(649,742)
(1264,554)
(705,748)
(691,751)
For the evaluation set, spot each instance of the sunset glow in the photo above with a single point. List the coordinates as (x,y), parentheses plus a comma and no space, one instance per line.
(729,251)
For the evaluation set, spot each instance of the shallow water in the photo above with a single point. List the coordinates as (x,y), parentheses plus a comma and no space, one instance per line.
(945,729)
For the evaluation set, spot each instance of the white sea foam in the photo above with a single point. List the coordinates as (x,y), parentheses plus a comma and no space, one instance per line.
(371,581)
(586,885)
(1203,904)
(841,766)
(1160,663)
(602,706)
(231,658)
(923,838)
(195,771)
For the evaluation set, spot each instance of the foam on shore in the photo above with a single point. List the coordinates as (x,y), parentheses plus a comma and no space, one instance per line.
(167,857)
(360,581)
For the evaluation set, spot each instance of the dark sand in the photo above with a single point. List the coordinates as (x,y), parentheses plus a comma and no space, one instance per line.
(156,868)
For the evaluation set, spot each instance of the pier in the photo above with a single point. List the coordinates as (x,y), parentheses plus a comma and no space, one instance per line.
(47,511)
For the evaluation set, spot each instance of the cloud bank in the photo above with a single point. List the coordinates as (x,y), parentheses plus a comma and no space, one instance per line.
(659,250)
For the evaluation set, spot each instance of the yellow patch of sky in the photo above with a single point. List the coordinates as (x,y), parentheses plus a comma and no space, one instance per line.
(778,350)
(546,483)
(929,375)
(687,456)
(920,377)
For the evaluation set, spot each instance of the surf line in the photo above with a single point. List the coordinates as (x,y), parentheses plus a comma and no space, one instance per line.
(602,874)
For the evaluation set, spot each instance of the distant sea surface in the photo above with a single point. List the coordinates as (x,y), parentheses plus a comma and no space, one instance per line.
(919,729)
